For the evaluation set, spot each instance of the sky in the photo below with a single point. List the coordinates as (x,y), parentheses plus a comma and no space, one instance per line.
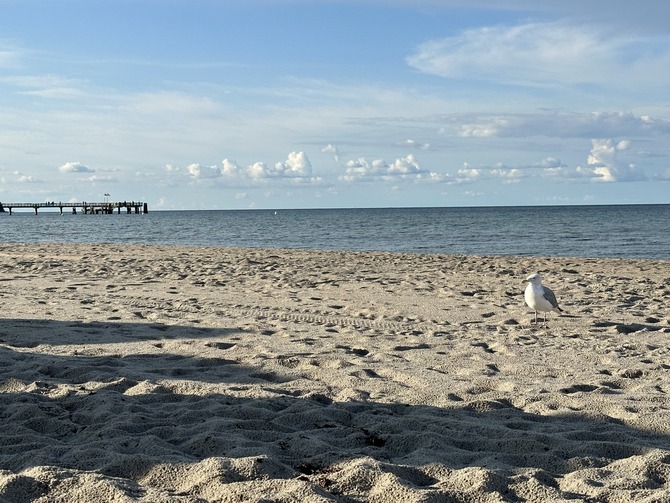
(204,104)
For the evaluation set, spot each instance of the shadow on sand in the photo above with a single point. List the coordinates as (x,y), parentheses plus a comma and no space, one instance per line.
(131,416)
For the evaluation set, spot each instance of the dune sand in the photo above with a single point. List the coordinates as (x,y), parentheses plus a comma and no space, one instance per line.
(178,374)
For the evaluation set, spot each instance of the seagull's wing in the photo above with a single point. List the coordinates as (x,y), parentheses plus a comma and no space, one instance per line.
(549,295)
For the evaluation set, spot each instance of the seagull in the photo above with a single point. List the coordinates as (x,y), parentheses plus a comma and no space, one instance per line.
(539,297)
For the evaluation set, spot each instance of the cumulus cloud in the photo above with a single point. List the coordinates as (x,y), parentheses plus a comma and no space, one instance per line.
(508,175)
(332,149)
(606,162)
(603,165)
(199,172)
(360,169)
(405,166)
(296,169)
(75,167)
(408,169)
(258,171)
(297,165)
(468,175)
(378,169)
(230,169)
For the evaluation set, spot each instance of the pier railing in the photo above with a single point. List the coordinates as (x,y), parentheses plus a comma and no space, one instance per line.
(86,207)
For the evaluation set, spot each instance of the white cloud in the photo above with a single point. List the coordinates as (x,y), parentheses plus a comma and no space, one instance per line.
(258,171)
(332,149)
(526,53)
(405,166)
(508,175)
(27,179)
(468,175)
(75,167)
(623,145)
(543,55)
(296,169)
(358,169)
(297,165)
(606,162)
(230,169)
(563,125)
(402,168)
(603,163)
(199,172)
(46,86)
(415,144)
(480,130)
(235,175)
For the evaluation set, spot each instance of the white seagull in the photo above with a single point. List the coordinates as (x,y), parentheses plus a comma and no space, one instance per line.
(539,297)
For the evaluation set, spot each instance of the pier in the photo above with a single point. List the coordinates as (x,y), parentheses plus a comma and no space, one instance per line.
(87,208)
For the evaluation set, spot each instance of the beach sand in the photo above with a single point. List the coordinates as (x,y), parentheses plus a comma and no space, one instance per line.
(179,374)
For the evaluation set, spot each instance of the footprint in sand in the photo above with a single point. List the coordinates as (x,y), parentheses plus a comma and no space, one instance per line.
(410,348)
(354,351)
(220,345)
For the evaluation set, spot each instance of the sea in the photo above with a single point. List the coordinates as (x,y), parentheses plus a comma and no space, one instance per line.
(617,231)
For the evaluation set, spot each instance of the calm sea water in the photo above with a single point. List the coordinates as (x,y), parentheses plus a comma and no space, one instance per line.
(640,231)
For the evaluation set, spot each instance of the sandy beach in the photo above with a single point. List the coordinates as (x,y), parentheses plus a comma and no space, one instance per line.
(178,374)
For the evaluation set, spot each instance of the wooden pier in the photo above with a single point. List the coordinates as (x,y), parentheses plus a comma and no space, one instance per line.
(87,208)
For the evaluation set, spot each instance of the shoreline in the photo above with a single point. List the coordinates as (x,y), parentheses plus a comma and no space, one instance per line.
(171,373)
(252,249)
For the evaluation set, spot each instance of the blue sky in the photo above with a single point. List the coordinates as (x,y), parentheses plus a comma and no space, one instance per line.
(196,104)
